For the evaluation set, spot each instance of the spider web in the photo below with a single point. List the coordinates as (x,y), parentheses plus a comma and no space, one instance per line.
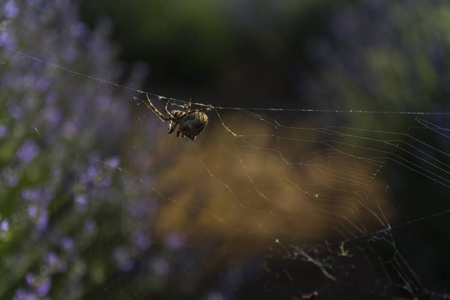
(321,202)
(286,203)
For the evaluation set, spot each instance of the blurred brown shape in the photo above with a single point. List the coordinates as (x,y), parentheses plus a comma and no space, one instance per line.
(238,195)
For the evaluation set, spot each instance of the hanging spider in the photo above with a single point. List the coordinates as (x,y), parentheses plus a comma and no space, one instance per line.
(190,122)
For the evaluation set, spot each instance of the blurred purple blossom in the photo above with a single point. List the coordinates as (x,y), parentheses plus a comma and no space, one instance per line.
(79,29)
(53,261)
(174,240)
(27,152)
(123,259)
(10,177)
(42,221)
(41,286)
(105,182)
(10,9)
(44,287)
(17,112)
(30,278)
(81,202)
(140,208)
(113,162)
(32,211)
(141,240)
(90,174)
(2,131)
(67,243)
(20,294)
(43,195)
(7,39)
(71,128)
(4,225)
(27,194)
(53,115)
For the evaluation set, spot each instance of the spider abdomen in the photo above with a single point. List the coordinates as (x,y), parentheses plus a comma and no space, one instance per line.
(193,124)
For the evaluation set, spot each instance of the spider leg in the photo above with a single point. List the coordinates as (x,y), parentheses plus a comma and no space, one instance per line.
(170,117)
(187,107)
(200,110)
(172,127)
(182,134)
(167,110)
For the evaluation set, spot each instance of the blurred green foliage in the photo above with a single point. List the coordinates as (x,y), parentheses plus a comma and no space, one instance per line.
(230,46)
(369,55)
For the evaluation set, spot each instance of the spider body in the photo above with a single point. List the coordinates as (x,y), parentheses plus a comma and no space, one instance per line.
(190,123)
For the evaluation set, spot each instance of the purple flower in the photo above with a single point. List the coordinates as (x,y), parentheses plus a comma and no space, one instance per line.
(67,243)
(113,162)
(10,178)
(10,9)
(17,112)
(141,240)
(4,225)
(27,194)
(73,116)
(32,211)
(42,221)
(105,182)
(30,278)
(7,39)
(44,195)
(41,195)
(42,84)
(141,208)
(2,131)
(53,115)
(79,29)
(81,202)
(44,287)
(51,259)
(27,152)
(123,259)
(90,174)
(20,294)
(174,241)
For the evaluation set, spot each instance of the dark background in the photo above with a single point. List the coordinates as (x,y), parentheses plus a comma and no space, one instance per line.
(360,55)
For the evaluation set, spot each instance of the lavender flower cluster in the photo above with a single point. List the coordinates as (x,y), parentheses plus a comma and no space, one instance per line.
(68,220)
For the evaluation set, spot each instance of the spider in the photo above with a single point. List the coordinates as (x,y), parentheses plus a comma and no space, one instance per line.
(190,122)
